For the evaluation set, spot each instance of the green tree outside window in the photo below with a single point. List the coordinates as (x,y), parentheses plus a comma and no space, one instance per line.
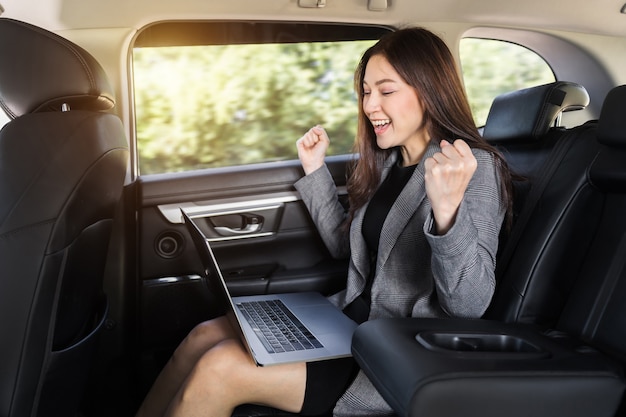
(209,106)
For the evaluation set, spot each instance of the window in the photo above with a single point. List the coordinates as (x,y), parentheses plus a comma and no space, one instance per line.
(492,67)
(222,94)
(4,119)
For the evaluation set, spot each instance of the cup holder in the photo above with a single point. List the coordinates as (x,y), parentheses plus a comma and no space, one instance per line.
(477,343)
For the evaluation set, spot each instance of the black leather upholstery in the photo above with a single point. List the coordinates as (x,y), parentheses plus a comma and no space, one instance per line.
(491,368)
(58,72)
(61,178)
(532,375)
(612,125)
(522,115)
(522,124)
(533,284)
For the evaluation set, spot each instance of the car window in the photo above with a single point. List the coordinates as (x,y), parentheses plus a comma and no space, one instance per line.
(242,93)
(492,67)
(4,119)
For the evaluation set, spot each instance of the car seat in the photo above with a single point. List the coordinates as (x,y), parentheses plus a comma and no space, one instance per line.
(63,161)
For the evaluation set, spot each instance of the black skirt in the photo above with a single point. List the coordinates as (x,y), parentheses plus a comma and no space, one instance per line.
(326,381)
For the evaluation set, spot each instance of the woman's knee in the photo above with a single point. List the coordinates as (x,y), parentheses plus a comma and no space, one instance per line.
(216,370)
(223,358)
(202,338)
(227,375)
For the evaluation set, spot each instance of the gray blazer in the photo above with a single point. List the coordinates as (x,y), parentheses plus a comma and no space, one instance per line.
(418,274)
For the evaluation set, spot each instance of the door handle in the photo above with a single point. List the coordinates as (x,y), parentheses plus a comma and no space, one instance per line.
(249,225)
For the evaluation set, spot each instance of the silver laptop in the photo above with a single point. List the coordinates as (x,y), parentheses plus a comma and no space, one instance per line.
(278,328)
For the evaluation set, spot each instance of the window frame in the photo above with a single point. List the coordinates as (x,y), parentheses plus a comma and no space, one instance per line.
(559,53)
(224,32)
(503,43)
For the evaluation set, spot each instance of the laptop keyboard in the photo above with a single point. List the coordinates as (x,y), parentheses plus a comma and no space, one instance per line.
(277,328)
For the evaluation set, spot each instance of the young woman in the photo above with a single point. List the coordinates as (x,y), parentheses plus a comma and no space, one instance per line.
(427,199)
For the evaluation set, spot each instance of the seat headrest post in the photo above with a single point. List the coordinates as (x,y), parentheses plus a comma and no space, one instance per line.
(528,114)
(46,70)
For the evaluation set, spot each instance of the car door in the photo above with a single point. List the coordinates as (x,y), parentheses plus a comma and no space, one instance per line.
(260,230)
(261,233)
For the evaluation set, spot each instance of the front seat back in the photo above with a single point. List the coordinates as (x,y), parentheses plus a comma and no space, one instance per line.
(63,160)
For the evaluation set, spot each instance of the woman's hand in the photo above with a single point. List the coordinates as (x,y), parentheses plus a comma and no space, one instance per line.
(312,148)
(448,174)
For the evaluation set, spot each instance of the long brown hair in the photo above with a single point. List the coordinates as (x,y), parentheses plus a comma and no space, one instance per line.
(424,62)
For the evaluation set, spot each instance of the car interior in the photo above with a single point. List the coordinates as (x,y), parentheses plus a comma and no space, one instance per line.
(116,115)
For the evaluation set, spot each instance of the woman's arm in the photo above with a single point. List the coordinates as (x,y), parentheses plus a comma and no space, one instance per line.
(319,193)
(463,259)
(447,175)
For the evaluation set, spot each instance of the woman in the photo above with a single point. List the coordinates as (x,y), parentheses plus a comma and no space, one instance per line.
(427,199)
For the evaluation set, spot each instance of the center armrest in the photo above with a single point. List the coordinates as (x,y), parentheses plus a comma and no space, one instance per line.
(452,367)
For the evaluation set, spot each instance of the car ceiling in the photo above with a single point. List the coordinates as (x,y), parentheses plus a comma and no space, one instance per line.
(598,16)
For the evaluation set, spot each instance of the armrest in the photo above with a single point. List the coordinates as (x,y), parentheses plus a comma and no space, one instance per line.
(452,367)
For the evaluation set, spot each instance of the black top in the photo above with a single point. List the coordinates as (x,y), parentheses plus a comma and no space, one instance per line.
(373,221)
(381,203)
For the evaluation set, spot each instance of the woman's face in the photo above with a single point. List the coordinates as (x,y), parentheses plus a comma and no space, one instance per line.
(394,109)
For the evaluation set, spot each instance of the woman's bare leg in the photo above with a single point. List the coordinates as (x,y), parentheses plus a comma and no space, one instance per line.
(201,339)
(226,377)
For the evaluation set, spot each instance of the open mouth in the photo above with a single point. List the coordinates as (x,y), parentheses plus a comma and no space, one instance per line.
(381,125)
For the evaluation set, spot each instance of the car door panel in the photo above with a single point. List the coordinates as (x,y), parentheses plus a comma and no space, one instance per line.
(261,233)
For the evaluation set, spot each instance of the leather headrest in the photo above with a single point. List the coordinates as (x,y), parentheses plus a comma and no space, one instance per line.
(612,122)
(527,114)
(41,71)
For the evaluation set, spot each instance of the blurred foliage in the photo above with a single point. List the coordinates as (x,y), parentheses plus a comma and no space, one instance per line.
(492,67)
(208,106)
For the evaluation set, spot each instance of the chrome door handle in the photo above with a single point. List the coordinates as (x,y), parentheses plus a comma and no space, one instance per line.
(250,225)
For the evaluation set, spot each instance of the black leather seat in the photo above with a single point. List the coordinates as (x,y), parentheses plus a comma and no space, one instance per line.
(525,126)
(524,116)
(532,281)
(522,367)
(63,160)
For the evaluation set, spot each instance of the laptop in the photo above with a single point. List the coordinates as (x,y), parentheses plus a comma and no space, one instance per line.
(315,329)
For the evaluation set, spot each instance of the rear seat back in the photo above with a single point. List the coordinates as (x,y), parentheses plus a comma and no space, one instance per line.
(545,247)
(596,312)
(520,123)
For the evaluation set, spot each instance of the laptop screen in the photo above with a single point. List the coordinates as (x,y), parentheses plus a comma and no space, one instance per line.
(212,274)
